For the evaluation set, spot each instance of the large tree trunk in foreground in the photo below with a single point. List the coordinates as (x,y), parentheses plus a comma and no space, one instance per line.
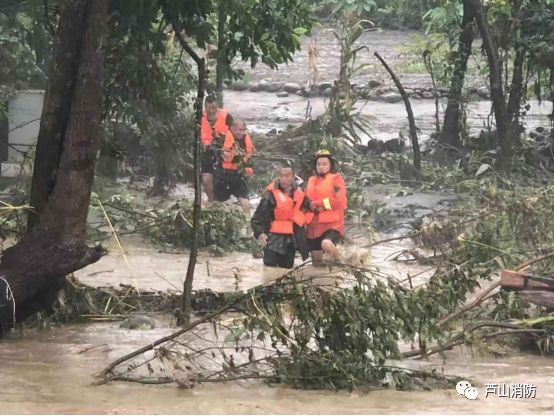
(57,103)
(451,129)
(35,268)
(503,125)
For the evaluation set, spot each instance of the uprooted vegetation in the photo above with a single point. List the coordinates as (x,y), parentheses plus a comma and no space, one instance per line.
(347,327)
(336,329)
(342,329)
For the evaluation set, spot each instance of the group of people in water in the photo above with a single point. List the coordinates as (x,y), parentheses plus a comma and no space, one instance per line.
(288,218)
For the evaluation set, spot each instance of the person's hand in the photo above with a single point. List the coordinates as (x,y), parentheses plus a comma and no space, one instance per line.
(262,240)
(249,171)
(315,206)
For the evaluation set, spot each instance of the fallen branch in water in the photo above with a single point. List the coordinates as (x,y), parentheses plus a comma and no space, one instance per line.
(459,338)
(228,307)
(483,296)
(207,318)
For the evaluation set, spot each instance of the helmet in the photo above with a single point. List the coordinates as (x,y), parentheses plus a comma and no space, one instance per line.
(325,153)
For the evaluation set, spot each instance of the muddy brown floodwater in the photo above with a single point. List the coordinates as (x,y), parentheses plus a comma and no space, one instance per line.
(52,371)
(264,111)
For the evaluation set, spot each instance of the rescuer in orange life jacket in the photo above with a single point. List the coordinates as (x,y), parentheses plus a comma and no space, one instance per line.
(215,123)
(326,192)
(237,150)
(278,222)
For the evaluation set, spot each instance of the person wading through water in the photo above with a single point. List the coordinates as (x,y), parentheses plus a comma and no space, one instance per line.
(215,123)
(230,174)
(326,192)
(278,222)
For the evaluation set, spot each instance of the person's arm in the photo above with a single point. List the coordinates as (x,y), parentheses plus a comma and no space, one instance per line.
(305,206)
(263,216)
(229,120)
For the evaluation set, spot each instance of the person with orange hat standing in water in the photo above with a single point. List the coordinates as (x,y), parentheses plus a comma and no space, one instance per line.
(326,192)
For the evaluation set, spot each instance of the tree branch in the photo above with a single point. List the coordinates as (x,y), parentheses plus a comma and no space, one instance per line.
(413,130)
(484,294)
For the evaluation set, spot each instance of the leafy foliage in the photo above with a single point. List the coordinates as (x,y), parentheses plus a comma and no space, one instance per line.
(266,31)
(24,45)
(171,225)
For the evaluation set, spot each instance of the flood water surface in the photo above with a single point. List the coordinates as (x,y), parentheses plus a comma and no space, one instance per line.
(52,371)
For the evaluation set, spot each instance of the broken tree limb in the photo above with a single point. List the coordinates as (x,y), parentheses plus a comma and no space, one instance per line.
(520,281)
(411,120)
(459,337)
(486,292)
(538,297)
(108,370)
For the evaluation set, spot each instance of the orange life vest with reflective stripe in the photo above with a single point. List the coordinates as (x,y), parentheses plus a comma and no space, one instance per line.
(287,210)
(230,146)
(318,190)
(220,126)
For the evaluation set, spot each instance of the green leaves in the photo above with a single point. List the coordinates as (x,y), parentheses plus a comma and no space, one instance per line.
(268,30)
(299,31)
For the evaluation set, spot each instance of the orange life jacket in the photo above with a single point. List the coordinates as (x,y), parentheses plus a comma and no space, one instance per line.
(230,146)
(331,218)
(287,210)
(207,132)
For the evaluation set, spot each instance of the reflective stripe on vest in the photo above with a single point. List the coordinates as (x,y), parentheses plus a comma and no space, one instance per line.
(287,211)
(220,127)
(230,146)
(322,190)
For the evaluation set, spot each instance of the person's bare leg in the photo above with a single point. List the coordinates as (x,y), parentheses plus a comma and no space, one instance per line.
(317,258)
(208,184)
(330,249)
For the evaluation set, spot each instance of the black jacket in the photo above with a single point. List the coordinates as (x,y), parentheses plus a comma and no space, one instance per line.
(280,243)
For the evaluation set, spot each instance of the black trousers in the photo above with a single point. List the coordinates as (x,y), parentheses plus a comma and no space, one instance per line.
(274,259)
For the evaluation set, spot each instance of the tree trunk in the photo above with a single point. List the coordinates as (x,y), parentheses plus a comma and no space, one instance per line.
(197,208)
(57,102)
(451,129)
(503,125)
(517,90)
(221,63)
(55,247)
(186,305)
(552,100)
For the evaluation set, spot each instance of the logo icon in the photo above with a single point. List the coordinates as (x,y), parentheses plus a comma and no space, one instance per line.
(464,388)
